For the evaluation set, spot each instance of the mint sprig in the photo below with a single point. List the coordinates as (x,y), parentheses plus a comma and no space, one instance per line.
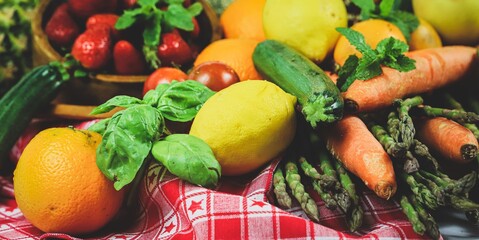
(154,20)
(389,10)
(389,52)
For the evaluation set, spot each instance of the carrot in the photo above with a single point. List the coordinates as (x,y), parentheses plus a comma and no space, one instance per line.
(350,141)
(448,138)
(435,68)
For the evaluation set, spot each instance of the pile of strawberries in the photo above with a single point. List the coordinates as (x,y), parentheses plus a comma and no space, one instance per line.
(86,29)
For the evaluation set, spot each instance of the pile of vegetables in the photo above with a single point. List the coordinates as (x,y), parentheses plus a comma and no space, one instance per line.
(385,116)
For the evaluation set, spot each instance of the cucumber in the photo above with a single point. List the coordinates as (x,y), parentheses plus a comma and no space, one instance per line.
(20,104)
(318,96)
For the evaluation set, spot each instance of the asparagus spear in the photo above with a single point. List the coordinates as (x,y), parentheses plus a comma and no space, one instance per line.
(355,218)
(339,193)
(411,164)
(294,182)
(423,194)
(457,187)
(432,229)
(437,191)
(412,215)
(420,150)
(393,148)
(393,126)
(406,125)
(316,178)
(461,203)
(473,216)
(457,115)
(284,200)
(323,180)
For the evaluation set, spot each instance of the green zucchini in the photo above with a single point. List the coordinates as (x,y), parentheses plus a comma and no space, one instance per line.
(20,104)
(318,96)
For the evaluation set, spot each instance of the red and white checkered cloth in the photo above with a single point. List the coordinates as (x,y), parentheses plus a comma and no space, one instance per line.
(240,208)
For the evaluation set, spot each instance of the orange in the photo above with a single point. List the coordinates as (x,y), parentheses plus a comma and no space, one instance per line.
(234,52)
(373,30)
(243,19)
(58,186)
(425,36)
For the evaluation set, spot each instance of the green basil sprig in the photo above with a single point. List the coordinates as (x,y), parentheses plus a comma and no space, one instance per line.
(189,158)
(127,141)
(128,136)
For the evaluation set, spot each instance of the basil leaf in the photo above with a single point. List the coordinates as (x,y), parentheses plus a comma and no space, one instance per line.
(153,96)
(195,9)
(127,141)
(152,32)
(181,101)
(117,101)
(100,126)
(177,16)
(189,158)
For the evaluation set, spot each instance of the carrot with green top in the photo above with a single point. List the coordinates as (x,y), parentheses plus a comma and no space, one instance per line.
(434,68)
(448,138)
(351,142)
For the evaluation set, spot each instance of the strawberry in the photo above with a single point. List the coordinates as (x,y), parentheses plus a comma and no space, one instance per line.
(127,4)
(105,18)
(86,8)
(61,29)
(93,47)
(127,59)
(196,31)
(173,50)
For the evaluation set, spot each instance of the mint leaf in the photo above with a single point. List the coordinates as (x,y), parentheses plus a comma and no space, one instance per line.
(346,75)
(195,9)
(402,64)
(177,16)
(389,52)
(174,1)
(128,18)
(148,3)
(151,34)
(366,6)
(368,69)
(385,7)
(357,40)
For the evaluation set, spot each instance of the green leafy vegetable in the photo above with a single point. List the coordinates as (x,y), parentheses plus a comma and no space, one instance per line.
(117,101)
(128,136)
(389,10)
(189,158)
(389,52)
(127,141)
(181,102)
(155,20)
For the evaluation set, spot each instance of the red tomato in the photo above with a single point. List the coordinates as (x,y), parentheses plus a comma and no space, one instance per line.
(163,75)
(215,75)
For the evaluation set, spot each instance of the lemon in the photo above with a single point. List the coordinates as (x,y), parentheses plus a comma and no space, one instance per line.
(309,26)
(246,125)
(457,22)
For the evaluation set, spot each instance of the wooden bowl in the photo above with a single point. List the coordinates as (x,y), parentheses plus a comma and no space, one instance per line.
(79,96)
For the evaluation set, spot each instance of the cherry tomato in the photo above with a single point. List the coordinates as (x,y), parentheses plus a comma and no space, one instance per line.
(215,75)
(163,75)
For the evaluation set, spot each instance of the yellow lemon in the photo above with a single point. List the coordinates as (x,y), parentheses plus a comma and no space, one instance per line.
(309,26)
(246,125)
